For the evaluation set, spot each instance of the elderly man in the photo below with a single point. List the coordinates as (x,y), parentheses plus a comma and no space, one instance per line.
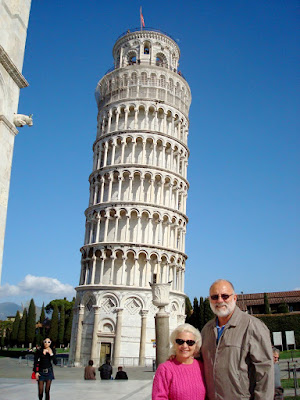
(236,350)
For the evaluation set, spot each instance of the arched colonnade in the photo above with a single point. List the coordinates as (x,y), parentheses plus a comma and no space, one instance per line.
(139,186)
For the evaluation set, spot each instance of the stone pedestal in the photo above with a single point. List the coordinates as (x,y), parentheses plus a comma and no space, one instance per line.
(160,298)
(162,337)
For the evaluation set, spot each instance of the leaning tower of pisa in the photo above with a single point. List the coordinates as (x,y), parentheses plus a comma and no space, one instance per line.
(136,219)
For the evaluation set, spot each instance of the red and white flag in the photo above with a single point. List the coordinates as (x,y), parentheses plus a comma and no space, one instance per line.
(142,18)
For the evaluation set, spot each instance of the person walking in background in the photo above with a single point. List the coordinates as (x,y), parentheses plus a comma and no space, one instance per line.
(181,377)
(278,388)
(89,372)
(105,370)
(43,368)
(236,350)
(121,374)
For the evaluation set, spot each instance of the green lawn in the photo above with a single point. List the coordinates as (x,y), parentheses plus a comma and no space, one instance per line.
(287,354)
(291,397)
(288,383)
(58,351)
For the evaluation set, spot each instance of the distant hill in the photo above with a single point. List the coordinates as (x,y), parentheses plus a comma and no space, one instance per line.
(8,309)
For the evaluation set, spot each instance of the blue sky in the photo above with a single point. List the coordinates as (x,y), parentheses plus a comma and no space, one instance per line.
(240,59)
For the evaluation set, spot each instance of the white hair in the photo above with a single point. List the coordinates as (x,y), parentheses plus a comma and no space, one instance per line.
(185,328)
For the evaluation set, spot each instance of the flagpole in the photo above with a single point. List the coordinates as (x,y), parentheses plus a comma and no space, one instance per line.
(141,18)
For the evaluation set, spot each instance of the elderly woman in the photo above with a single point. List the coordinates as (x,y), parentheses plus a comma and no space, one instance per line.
(181,377)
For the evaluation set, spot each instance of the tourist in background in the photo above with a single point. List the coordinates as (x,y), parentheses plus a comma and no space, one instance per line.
(121,374)
(278,388)
(106,370)
(89,372)
(43,368)
(181,377)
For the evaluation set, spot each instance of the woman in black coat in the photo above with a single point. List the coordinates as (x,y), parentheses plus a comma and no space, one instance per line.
(43,368)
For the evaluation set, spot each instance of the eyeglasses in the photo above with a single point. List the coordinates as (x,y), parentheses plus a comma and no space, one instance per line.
(188,342)
(47,341)
(224,296)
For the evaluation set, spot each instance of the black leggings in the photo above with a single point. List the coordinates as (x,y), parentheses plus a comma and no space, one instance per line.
(41,389)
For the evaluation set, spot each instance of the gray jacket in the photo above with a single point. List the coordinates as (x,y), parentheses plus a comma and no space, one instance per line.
(240,366)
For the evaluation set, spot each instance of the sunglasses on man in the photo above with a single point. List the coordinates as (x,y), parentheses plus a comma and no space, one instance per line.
(223,295)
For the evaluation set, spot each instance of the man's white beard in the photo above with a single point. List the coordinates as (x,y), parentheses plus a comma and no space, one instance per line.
(220,312)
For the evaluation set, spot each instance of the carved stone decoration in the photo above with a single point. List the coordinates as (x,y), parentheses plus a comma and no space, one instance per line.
(21,120)
(160,294)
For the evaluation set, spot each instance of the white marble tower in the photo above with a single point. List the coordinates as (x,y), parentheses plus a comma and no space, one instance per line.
(136,219)
(14,17)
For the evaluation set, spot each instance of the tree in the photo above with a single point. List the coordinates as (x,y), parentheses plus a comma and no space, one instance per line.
(31,322)
(15,328)
(42,333)
(196,315)
(22,329)
(68,305)
(201,313)
(54,325)
(188,309)
(61,328)
(283,308)
(267,309)
(208,314)
(68,330)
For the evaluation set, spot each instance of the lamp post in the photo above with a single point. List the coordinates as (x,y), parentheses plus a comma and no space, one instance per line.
(160,298)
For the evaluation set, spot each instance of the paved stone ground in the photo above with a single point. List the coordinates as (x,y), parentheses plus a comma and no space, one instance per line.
(15,383)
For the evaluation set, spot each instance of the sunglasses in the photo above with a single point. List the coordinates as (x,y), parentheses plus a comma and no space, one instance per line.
(188,342)
(47,341)
(224,296)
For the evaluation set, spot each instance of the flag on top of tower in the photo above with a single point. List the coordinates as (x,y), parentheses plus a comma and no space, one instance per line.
(142,19)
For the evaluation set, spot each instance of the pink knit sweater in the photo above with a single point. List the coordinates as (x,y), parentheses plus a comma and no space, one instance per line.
(176,381)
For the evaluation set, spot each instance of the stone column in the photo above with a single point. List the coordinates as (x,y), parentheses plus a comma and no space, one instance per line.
(98,227)
(110,180)
(123,149)
(105,153)
(143,338)
(123,271)
(94,355)
(79,335)
(133,153)
(113,152)
(129,198)
(126,118)
(116,228)
(117,344)
(102,269)
(109,121)
(160,298)
(93,270)
(102,189)
(141,194)
(120,179)
(117,120)
(144,152)
(111,279)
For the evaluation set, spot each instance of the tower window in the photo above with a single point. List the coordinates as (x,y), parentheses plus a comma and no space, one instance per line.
(159,61)
(132,60)
(146,50)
